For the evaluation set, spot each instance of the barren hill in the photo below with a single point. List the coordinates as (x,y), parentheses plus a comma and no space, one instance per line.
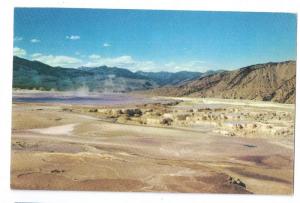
(267,82)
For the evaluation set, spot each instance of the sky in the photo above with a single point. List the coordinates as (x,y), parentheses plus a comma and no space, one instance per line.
(152,40)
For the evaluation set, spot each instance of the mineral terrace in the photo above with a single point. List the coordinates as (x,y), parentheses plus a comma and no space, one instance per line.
(183,145)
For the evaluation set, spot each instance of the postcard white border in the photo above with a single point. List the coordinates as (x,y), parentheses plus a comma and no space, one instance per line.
(6,44)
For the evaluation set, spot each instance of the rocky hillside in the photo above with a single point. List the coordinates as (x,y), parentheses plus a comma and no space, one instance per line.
(268,82)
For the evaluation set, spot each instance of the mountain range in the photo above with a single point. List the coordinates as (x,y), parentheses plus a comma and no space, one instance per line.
(267,82)
(36,75)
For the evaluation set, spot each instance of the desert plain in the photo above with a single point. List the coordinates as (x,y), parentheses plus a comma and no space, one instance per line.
(163,144)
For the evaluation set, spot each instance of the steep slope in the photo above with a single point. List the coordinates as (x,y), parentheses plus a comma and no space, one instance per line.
(267,82)
(33,74)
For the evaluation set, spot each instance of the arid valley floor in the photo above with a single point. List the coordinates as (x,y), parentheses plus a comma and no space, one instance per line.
(182,145)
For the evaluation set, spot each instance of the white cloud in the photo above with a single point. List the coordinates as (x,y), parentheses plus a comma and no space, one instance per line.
(35,55)
(94,56)
(193,65)
(73,37)
(106,45)
(124,61)
(35,40)
(170,64)
(120,61)
(132,64)
(19,52)
(18,38)
(196,62)
(63,61)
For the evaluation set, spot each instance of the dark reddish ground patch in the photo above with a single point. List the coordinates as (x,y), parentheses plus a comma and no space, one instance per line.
(41,181)
(258,176)
(258,160)
(272,161)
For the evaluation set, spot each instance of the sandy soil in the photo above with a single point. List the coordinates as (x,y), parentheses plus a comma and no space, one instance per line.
(217,146)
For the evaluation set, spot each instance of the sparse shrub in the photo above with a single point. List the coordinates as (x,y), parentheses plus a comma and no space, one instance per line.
(166,121)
